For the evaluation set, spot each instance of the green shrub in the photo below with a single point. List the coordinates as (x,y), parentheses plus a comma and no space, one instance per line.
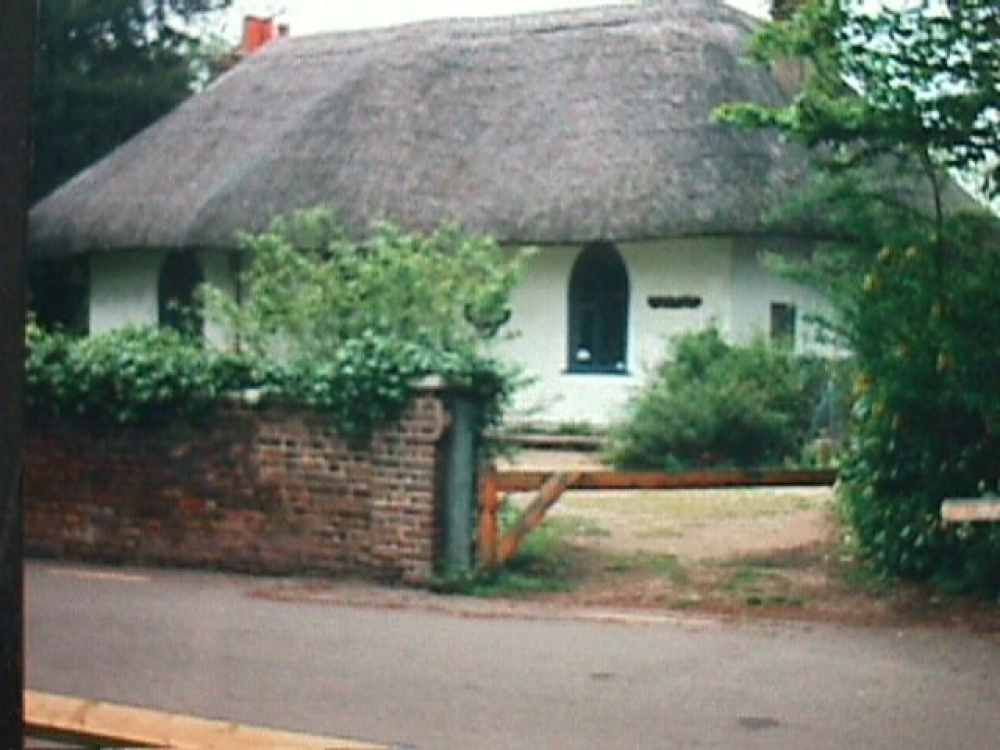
(128,375)
(925,324)
(307,288)
(146,375)
(717,404)
(912,274)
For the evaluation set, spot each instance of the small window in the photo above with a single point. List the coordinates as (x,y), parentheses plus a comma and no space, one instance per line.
(180,277)
(598,311)
(783,324)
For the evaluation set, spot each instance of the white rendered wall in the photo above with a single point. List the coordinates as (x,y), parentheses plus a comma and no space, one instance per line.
(736,293)
(123,288)
(755,287)
(219,272)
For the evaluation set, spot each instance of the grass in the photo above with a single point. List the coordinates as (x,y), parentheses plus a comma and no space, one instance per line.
(556,557)
(760,583)
(659,532)
(576,526)
(545,561)
(559,556)
(662,566)
(567,560)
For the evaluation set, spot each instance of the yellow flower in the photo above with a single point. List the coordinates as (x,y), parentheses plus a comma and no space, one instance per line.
(870,283)
(943,362)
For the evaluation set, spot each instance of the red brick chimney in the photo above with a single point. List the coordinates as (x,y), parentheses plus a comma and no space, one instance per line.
(257,32)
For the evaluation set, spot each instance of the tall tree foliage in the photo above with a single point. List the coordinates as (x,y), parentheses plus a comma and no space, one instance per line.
(922,81)
(105,70)
(894,102)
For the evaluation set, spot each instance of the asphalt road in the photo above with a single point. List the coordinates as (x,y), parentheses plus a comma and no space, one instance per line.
(445,680)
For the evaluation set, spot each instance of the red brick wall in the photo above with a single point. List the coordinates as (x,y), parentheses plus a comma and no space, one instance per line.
(265,490)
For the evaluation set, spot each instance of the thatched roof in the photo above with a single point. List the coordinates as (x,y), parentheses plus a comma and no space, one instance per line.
(560,127)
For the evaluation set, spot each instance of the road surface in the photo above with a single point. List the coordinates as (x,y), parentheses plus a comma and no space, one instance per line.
(450,678)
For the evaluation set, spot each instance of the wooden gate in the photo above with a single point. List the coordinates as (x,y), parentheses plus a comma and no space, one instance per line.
(495,547)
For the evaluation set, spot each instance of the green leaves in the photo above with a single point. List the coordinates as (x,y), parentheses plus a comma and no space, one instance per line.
(717,404)
(916,82)
(308,288)
(105,70)
(147,376)
(130,375)
(358,321)
(895,99)
(927,417)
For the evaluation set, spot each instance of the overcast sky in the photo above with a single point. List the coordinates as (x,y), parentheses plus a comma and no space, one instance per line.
(311,16)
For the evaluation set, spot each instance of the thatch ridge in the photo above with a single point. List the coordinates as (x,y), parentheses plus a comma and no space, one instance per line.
(548,128)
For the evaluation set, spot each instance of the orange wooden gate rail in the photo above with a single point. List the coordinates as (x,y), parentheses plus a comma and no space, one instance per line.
(494,548)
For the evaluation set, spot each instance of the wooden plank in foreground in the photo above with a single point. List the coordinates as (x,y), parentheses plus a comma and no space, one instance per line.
(970,510)
(60,718)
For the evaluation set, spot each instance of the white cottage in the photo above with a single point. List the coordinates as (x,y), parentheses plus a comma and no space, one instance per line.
(587,134)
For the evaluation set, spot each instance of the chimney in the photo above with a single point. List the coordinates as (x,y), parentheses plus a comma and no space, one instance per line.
(257,32)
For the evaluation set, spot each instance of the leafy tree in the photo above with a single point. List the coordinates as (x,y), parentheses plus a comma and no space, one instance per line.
(894,102)
(357,322)
(307,288)
(920,83)
(105,70)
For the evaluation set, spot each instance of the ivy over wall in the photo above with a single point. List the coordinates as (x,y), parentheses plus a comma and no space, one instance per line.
(346,327)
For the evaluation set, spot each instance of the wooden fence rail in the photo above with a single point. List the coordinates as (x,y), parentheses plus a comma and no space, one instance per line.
(495,548)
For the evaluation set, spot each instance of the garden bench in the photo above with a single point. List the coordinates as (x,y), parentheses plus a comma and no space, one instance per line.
(971,510)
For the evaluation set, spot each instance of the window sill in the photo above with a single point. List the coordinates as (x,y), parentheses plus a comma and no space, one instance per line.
(597,371)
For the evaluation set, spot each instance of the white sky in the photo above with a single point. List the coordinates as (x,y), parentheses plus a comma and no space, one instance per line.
(312,16)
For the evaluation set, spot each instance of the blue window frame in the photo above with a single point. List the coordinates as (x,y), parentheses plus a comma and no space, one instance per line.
(598,311)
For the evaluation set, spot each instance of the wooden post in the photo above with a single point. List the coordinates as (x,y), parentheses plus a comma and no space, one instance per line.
(17,39)
(489,503)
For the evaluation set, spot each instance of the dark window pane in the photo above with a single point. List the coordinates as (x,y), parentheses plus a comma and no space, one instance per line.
(180,278)
(783,324)
(598,311)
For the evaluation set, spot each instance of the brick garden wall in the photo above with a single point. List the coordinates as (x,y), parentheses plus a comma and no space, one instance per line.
(264,490)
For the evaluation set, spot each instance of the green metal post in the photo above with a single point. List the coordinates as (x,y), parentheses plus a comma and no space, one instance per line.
(460,484)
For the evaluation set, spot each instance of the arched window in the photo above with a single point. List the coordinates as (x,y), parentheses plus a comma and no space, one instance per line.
(180,277)
(598,311)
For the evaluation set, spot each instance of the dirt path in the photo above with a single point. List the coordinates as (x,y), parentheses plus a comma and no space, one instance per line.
(760,552)
(694,525)
(703,525)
